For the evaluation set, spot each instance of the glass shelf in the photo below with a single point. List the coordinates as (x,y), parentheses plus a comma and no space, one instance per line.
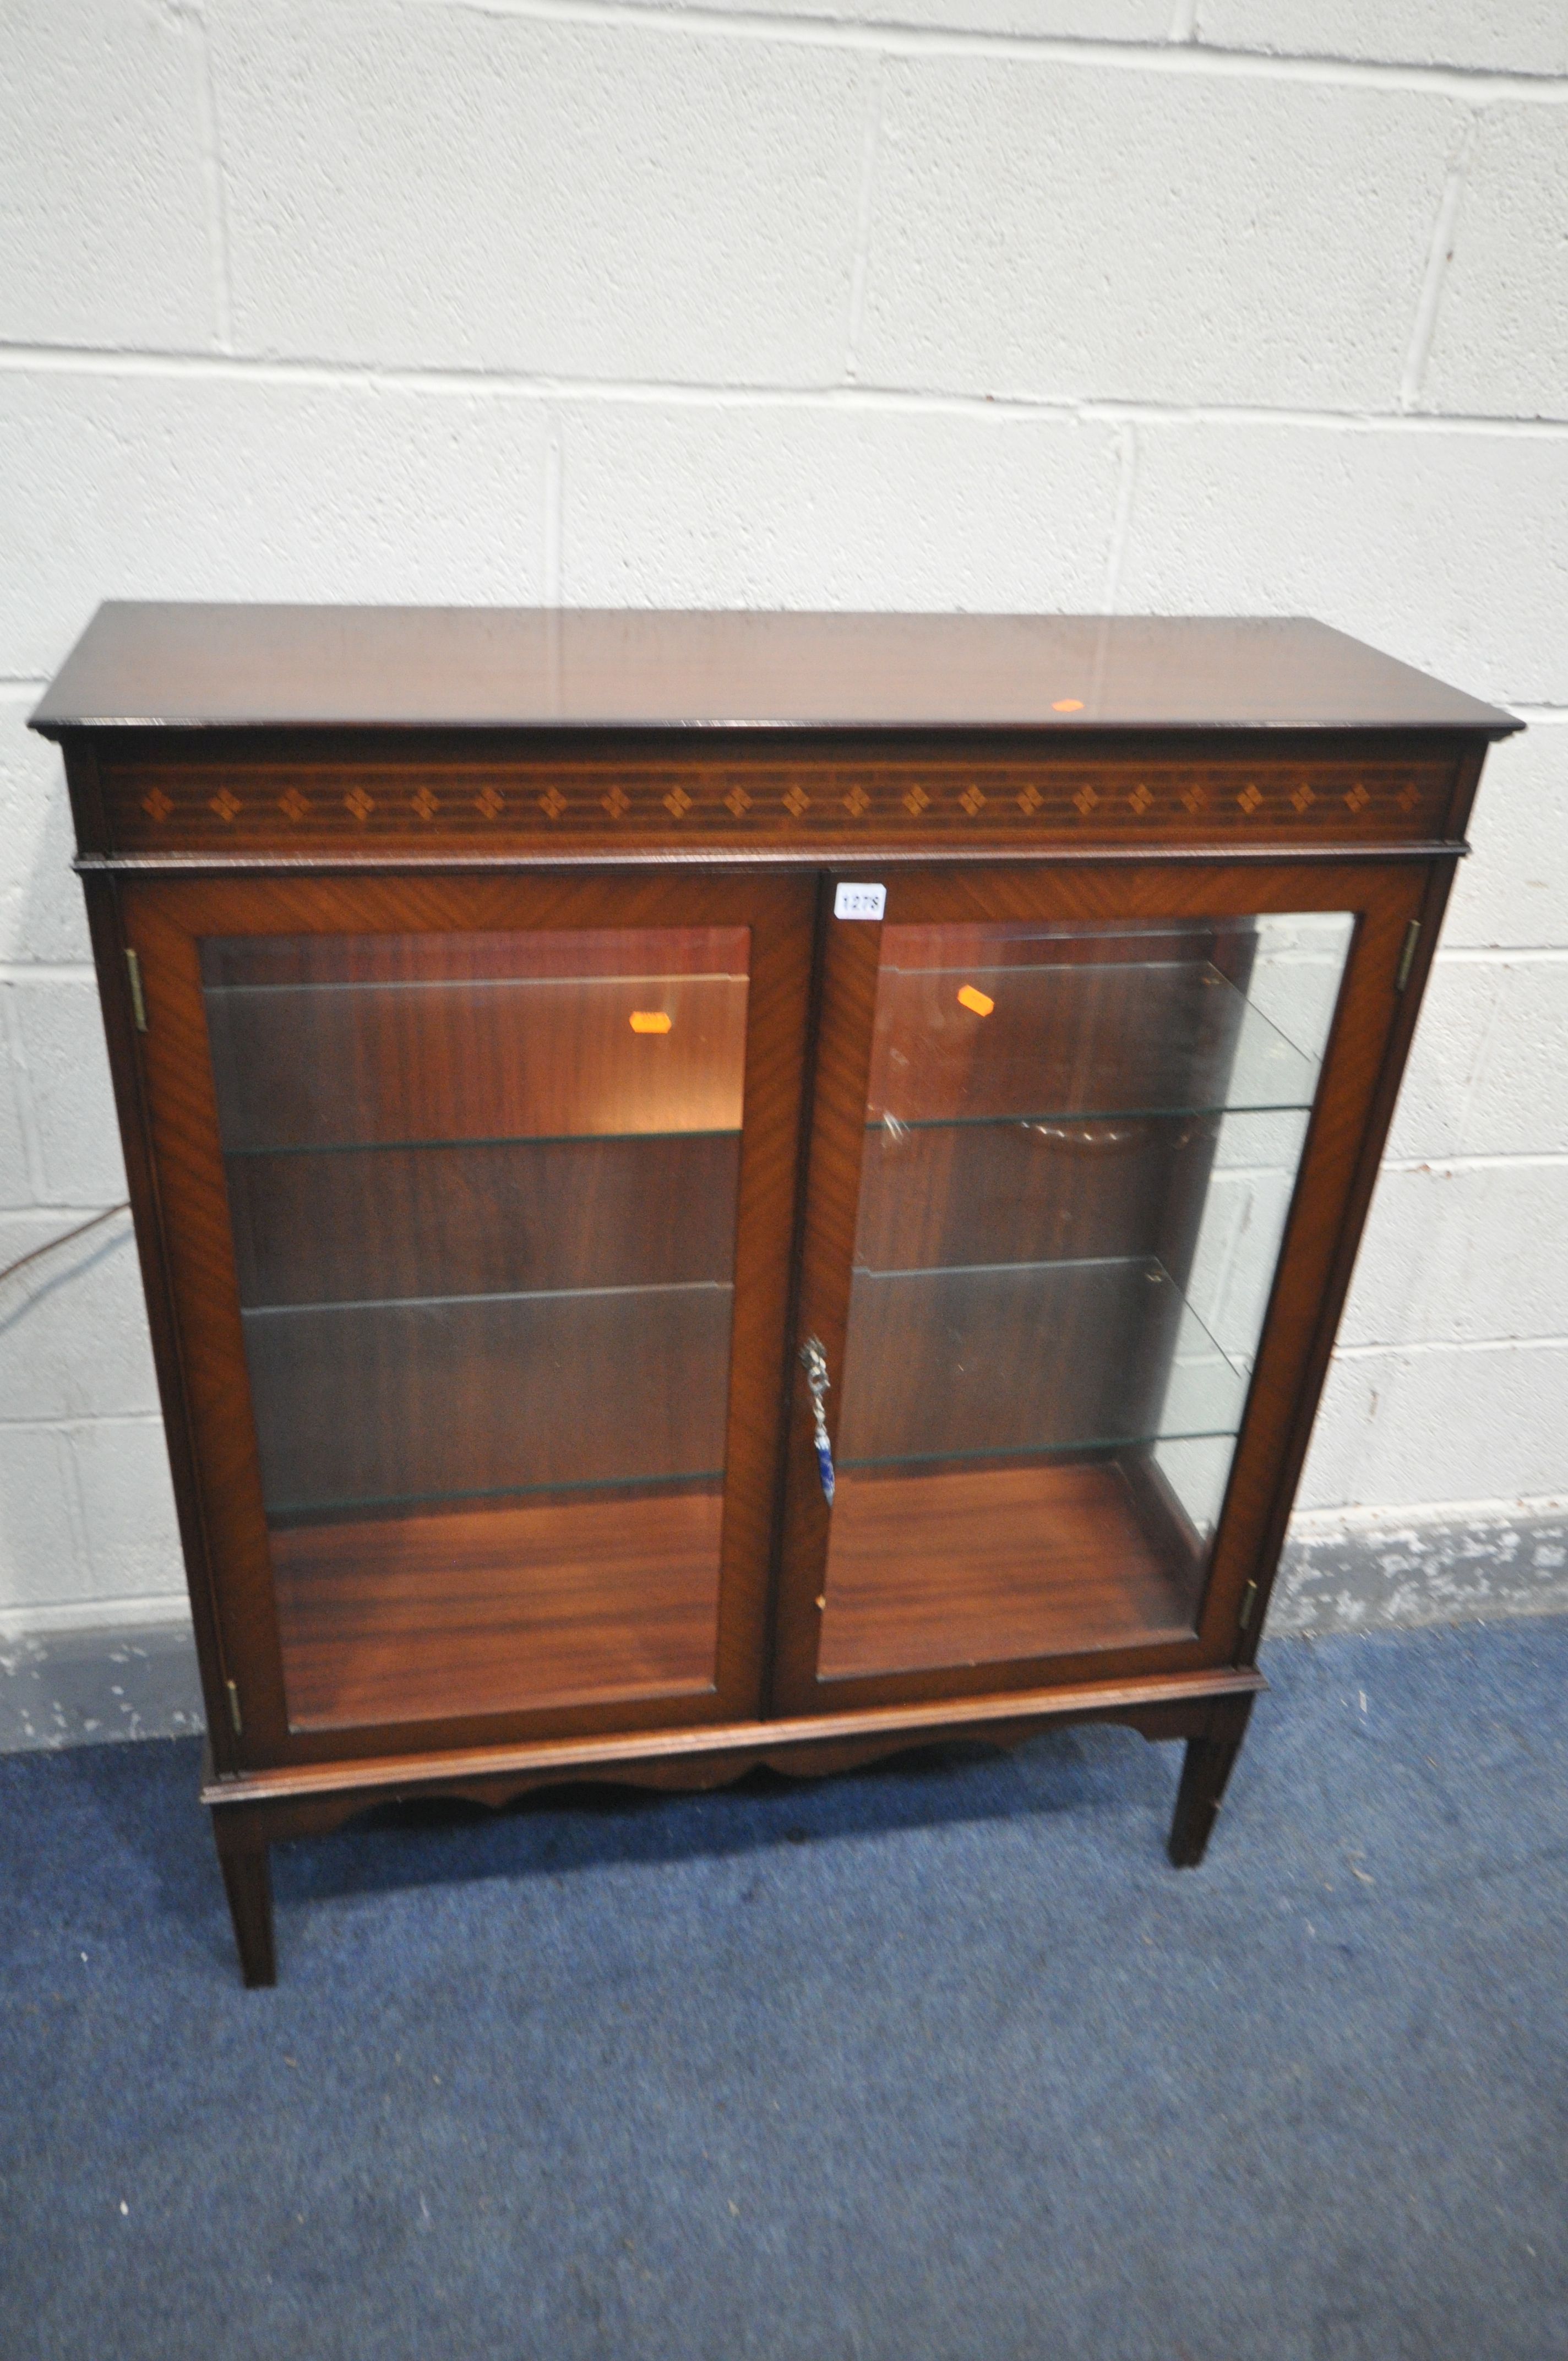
(284,1514)
(347,1303)
(1017,1359)
(455,1397)
(483,1217)
(406,983)
(1124,1039)
(389,1063)
(501,1139)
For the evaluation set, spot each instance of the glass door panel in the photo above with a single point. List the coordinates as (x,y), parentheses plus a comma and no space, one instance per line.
(483,1190)
(1080,1143)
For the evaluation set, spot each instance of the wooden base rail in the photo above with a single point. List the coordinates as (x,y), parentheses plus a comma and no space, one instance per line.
(563,1756)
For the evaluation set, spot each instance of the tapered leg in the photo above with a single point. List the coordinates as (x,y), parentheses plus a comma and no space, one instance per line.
(1209,1763)
(247,1879)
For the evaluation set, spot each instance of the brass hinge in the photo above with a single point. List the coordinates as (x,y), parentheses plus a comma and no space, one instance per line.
(235,1714)
(138,998)
(1407,956)
(1249,1600)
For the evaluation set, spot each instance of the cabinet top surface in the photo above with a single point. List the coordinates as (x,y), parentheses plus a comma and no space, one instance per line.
(183,666)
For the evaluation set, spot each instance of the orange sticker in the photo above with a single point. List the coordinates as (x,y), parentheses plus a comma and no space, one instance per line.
(651,1020)
(970,998)
(1067,705)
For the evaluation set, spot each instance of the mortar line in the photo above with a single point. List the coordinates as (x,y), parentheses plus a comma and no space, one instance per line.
(84,1221)
(553,471)
(1219,1293)
(210,135)
(871,137)
(1471,1083)
(76,1510)
(1439,255)
(67,360)
(1122,522)
(1440,1167)
(47,971)
(81,1424)
(80,1214)
(1183,22)
(1501,955)
(1453,1346)
(21,1093)
(807,31)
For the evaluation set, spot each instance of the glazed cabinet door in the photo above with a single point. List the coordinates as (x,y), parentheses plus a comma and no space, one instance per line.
(477,1199)
(1083,1143)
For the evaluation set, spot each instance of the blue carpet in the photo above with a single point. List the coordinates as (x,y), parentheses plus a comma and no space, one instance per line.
(934,2062)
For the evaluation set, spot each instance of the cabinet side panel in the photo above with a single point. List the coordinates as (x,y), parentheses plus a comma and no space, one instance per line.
(1326,1303)
(124,1064)
(84,778)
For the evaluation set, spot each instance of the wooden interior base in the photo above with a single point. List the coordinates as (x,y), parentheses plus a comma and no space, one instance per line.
(495,1610)
(973,1566)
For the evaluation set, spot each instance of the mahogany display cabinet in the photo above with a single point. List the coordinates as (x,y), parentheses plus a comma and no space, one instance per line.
(720,1190)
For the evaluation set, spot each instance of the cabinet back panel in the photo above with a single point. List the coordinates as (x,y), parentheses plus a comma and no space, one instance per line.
(483,955)
(415,1401)
(308,1068)
(1025,1358)
(995,1036)
(1025,1192)
(485,1218)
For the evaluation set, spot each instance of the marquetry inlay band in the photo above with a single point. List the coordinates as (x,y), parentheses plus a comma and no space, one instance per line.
(599,800)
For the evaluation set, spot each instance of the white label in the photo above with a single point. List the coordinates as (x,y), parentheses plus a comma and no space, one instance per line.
(860,901)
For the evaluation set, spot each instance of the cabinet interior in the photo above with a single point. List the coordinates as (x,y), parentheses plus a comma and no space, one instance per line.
(483,1190)
(1039,1417)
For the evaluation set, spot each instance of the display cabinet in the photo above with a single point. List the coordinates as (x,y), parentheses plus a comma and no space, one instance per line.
(721,1190)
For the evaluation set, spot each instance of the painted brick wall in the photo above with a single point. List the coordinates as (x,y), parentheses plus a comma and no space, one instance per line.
(1212,305)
